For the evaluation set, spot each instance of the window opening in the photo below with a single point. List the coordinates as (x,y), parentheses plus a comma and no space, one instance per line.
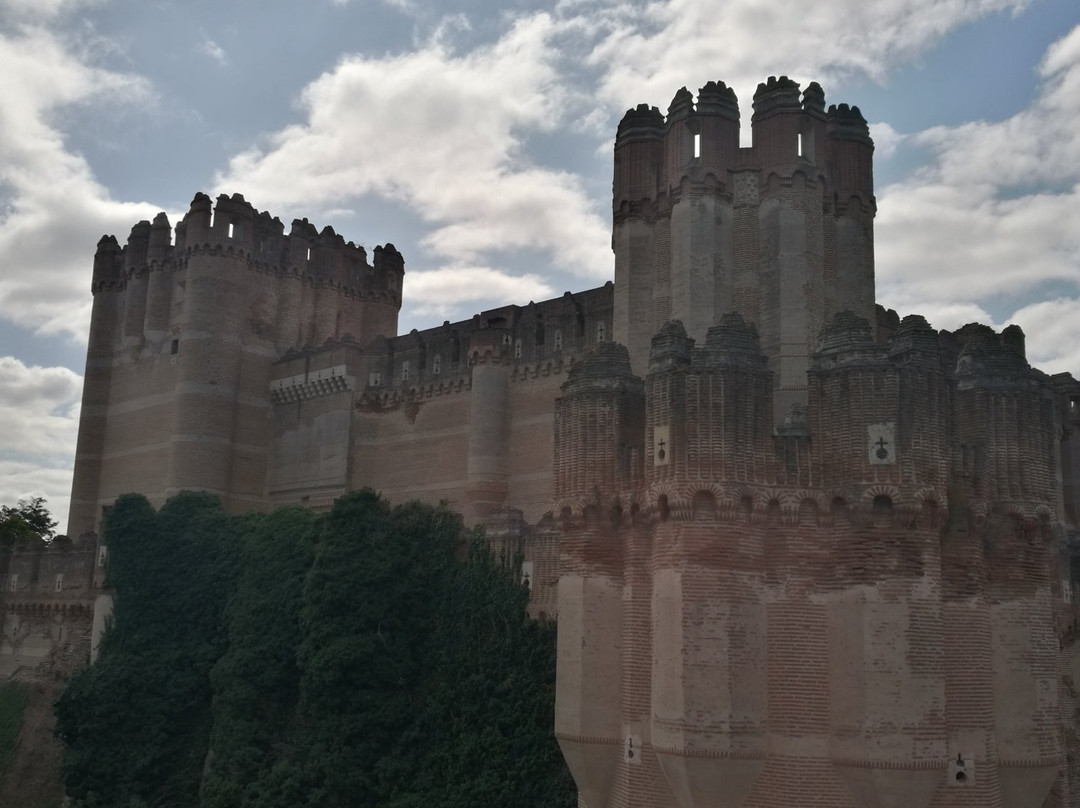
(697,145)
(232,230)
(405,370)
(600,332)
(59,581)
(800,145)
(517,348)
(436,364)
(558,339)
(174,348)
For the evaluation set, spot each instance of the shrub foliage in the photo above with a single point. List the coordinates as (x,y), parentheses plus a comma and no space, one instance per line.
(374,656)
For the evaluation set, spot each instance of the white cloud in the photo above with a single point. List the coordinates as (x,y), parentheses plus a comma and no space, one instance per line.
(649,48)
(442,133)
(212,49)
(886,140)
(1053,334)
(39,419)
(440,292)
(56,210)
(41,9)
(996,215)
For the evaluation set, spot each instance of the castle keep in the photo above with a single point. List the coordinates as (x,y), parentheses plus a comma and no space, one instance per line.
(802,551)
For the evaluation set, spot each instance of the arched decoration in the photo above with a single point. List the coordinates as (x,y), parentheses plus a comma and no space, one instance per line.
(883,510)
(746,505)
(809,514)
(662,507)
(591,516)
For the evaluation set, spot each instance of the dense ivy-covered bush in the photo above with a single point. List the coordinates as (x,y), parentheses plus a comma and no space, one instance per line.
(373,656)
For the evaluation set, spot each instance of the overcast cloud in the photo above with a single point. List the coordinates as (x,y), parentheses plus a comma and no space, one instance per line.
(995,216)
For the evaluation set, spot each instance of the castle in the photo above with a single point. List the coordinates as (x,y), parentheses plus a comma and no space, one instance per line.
(802,552)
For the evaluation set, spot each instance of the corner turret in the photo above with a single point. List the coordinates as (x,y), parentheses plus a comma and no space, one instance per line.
(196,223)
(638,156)
(777,123)
(108,265)
(160,240)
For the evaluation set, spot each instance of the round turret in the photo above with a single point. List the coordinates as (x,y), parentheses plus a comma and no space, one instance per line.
(638,151)
(846,334)
(734,343)
(776,95)
(914,335)
(234,221)
(990,360)
(681,106)
(671,347)
(605,367)
(160,239)
(813,99)
(107,264)
(718,125)
(138,244)
(716,98)
(777,123)
(197,221)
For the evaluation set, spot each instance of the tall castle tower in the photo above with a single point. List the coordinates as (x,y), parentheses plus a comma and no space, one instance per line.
(802,563)
(781,232)
(183,340)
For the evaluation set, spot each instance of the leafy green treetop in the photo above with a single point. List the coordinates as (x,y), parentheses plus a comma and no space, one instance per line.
(29,519)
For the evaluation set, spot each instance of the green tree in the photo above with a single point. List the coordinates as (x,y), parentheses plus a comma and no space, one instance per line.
(28,520)
(374,656)
(136,725)
(256,682)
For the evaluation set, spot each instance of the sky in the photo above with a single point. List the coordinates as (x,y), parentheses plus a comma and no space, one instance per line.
(476,136)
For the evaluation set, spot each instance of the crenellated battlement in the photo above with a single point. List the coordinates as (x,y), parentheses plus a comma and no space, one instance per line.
(711,129)
(233,227)
(910,413)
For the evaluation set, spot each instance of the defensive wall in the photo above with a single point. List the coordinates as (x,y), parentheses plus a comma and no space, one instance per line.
(47,597)
(861,605)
